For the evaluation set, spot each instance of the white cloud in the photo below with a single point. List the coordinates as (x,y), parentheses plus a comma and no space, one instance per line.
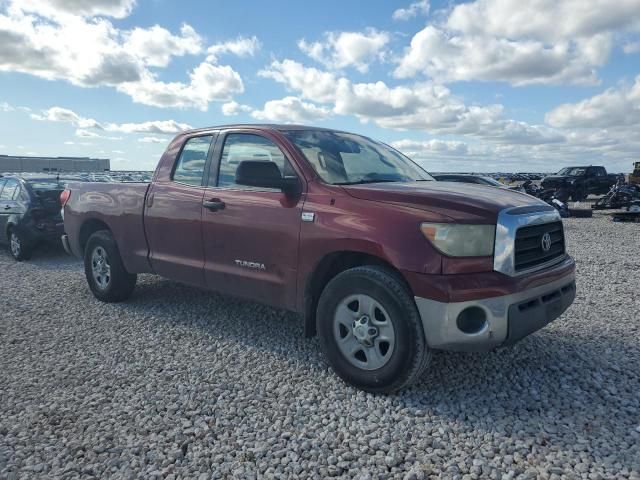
(314,84)
(348,49)
(550,21)
(5,107)
(420,7)
(152,140)
(91,52)
(85,52)
(615,107)
(59,114)
(233,108)
(167,127)
(631,47)
(420,106)
(208,83)
(82,133)
(241,47)
(418,149)
(447,58)
(64,115)
(520,42)
(86,8)
(290,110)
(156,46)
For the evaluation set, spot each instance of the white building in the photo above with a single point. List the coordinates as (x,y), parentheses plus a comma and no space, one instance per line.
(9,163)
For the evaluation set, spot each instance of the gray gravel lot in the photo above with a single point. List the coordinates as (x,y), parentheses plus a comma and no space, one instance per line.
(183,383)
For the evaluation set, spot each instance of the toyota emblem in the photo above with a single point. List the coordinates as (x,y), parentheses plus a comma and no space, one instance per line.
(546,242)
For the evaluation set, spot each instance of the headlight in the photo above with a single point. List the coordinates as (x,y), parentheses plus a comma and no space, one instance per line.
(461,240)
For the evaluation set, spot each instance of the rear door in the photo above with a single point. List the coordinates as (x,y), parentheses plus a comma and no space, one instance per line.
(8,205)
(251,240)
(592,181)
(173,215)
(601,179)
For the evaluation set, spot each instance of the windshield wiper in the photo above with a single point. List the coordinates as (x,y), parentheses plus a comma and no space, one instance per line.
(365,181)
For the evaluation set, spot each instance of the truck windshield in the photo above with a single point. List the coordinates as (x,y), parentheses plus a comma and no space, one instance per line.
(348,159)
(493,181)
(572,171)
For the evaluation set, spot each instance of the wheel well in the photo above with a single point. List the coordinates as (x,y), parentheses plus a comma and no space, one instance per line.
(89,228)
(330,266)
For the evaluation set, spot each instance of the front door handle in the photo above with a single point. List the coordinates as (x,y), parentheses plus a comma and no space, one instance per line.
(214,204)
(7,207)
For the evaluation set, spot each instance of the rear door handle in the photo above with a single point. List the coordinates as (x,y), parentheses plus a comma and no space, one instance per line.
(7,207)
(214,204)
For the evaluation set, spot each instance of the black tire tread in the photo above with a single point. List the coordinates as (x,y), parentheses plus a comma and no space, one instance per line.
(392,282)
(26,250)
(122,282)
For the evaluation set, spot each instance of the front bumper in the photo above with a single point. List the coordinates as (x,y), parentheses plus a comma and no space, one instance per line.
(507,318)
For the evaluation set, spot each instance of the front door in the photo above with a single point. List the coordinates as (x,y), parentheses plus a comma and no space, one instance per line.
(250,235)
(173,216)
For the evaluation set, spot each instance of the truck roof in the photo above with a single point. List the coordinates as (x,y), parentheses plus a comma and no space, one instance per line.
(584,166)
(263,126)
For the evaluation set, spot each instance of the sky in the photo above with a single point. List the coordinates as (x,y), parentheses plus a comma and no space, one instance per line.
(482,85)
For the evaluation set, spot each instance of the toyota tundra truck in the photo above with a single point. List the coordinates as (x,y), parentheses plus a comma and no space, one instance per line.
(384,264)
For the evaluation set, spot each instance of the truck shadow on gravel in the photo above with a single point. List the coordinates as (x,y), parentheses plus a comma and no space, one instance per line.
(248,323)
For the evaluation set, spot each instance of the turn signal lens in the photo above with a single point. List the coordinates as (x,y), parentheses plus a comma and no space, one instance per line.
(457,240)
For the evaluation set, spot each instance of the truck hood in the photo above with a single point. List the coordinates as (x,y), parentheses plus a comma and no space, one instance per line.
(558,178)
(458,201)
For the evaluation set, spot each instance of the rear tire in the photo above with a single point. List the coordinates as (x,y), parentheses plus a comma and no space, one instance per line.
(19,248)
(371,331)
(107,278)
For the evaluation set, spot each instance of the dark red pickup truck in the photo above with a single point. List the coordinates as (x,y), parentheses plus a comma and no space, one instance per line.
(383,263)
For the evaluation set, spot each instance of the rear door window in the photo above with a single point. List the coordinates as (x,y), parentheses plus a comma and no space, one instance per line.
(10,191)
(193,159)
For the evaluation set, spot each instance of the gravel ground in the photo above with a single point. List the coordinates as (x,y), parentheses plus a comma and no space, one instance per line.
(182,383)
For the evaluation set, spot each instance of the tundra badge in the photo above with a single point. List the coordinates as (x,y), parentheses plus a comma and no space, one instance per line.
(253,265)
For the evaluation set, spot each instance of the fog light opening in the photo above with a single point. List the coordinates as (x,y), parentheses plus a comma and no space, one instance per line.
(471,320)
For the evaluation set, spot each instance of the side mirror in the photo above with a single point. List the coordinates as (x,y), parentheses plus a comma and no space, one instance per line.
(265,174)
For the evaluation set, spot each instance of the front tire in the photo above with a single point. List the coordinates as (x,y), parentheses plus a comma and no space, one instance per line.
(18,246)
(108,280)
(371,331)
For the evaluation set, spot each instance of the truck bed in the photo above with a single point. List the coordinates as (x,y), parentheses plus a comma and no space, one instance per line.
(120,207)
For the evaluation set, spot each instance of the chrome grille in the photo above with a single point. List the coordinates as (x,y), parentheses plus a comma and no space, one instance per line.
(529,251)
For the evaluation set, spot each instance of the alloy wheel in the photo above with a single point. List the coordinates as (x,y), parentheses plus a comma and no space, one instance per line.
(15,245)
(364,332)
(100,267)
